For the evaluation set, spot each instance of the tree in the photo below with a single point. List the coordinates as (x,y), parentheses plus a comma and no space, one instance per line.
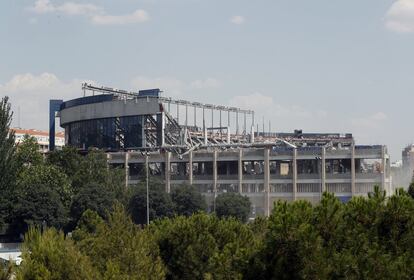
(187,200)
(42,196)
(366,238)
(160,203)
(292,244)
(204,247)
(411,190)
(233,205)
(49,255)
(118,248)
(68,160)
(28,152)
(93,169)
(93,197)
(6,271)
(8,164)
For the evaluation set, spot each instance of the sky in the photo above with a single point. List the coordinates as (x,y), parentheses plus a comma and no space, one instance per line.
(320,66)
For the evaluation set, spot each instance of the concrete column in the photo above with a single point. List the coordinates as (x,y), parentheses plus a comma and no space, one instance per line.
(384,166)
(215,173)
(353,172)
(167,172)
(240,169)
(323,170)
(126,169)
(295,173)
(190,170)
(267,181)
(214,179)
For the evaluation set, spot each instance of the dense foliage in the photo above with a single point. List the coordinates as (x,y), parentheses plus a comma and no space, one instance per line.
(233,205)
(160,202)
(8,163)
(367,238)
(54,192)
(118,248)
(49,255)
(204,247)
(411,190)
(187,200)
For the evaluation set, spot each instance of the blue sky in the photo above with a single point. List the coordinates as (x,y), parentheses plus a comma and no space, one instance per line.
(325,66)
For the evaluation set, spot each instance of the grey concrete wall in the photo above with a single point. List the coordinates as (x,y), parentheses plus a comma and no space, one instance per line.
(116,108)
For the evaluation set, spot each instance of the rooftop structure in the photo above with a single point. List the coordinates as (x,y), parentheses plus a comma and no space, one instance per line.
(216,149)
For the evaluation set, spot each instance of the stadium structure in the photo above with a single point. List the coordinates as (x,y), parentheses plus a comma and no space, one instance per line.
(217,148)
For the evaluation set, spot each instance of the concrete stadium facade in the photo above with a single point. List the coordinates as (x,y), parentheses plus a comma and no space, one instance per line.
(140,132)
(256,172)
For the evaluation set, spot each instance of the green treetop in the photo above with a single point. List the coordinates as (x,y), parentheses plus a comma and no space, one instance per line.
(233,205)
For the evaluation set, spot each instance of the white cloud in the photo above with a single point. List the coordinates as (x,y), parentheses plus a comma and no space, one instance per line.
(31,93)
(97,15)
(172,86)
(43,6)
(400,16)
(68,8)
(237,20)
(136,17)
(75,9)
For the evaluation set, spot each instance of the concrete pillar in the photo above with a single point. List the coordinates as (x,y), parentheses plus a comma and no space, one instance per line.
(267,181)
(240,171)
(295,173)
(190,170)
(353,171)
(215,177)
(215,171)
(126,169)
(167,172)
(323,170)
